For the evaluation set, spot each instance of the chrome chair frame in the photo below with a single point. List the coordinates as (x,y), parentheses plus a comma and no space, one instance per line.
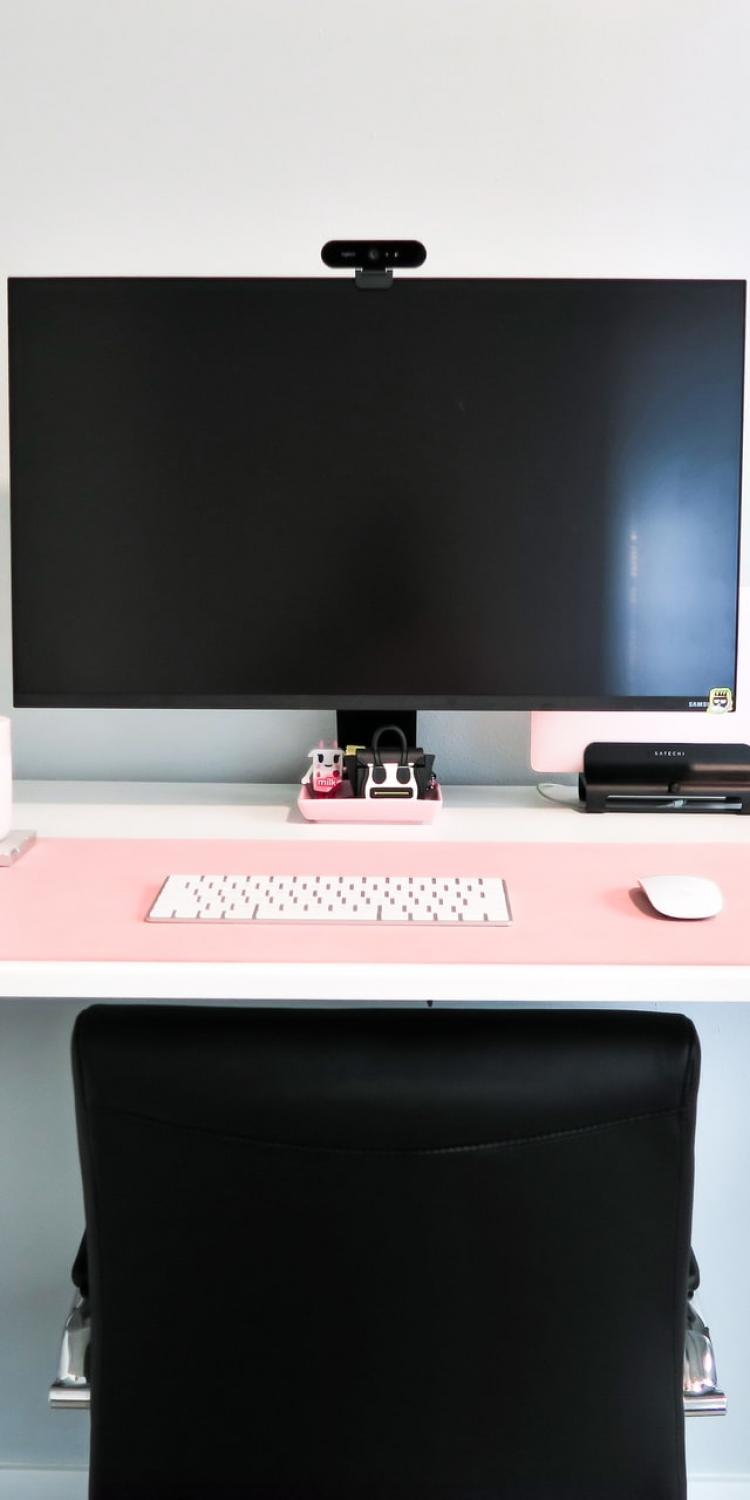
(70,1391)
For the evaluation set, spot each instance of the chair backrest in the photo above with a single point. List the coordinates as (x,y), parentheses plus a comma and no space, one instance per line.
(404,1254)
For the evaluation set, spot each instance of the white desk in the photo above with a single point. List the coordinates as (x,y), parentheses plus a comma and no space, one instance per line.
(475,814)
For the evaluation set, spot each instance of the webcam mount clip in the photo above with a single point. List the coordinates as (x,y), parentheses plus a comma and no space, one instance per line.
(372,281)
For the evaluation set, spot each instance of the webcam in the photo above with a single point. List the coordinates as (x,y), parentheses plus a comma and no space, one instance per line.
(373,255)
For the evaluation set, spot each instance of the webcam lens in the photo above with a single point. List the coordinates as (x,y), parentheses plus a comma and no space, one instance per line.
(373,253)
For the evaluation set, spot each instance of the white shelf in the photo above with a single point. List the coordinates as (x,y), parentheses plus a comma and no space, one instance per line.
(216,810)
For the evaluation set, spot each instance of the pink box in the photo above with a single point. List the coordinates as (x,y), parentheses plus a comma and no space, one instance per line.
(364,810)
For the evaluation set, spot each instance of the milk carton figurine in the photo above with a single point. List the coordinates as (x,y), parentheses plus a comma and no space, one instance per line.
(325,775)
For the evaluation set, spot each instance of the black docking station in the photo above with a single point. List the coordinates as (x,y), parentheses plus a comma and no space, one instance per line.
(666,777)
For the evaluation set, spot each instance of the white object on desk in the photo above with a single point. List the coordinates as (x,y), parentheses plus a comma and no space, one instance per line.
(687,897)
(453,901)
(6,779)
(15,844)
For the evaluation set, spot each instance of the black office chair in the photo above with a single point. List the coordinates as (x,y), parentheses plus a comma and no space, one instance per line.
(411,1255)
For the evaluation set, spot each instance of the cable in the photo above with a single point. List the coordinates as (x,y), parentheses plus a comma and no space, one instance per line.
(570,797)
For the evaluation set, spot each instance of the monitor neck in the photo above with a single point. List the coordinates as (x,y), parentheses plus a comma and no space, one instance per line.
(356,726)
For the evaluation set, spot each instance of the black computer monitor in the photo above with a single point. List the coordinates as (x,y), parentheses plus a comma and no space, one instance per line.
(447,493)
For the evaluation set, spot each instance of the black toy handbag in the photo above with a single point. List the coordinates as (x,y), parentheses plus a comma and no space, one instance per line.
(397,773)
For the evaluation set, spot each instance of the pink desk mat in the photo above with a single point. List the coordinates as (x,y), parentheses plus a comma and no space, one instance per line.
(86,899)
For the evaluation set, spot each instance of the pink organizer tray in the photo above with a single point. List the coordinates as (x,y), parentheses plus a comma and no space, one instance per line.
(362,810)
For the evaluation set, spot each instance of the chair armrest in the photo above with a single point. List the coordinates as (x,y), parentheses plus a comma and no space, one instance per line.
(701,1395)
(71,1387)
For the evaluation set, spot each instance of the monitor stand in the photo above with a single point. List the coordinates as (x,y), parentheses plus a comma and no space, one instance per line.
(356,726)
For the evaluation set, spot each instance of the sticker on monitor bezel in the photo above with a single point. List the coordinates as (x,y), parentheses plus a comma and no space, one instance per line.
(720,701)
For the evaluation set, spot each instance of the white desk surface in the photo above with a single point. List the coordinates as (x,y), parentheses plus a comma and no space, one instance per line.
(477,814)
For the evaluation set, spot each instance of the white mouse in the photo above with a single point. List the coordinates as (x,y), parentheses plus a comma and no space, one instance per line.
(690,896)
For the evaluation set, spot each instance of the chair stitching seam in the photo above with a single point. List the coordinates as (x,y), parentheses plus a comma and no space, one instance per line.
(499,1145)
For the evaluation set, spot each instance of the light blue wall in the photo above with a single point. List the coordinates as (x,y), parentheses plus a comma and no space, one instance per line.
(41,1220)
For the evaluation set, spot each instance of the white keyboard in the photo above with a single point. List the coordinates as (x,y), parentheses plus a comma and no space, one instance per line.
(449,900)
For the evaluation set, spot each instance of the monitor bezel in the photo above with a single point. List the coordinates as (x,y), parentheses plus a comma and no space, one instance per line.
(486,702)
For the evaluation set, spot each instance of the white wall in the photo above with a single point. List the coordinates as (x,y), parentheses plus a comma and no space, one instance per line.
(515,137)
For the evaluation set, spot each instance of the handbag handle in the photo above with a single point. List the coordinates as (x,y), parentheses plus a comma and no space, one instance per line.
(389,729)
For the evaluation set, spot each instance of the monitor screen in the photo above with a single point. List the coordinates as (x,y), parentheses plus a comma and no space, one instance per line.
(443,493)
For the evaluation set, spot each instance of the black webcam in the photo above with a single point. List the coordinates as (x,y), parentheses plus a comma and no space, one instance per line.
(373,255)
